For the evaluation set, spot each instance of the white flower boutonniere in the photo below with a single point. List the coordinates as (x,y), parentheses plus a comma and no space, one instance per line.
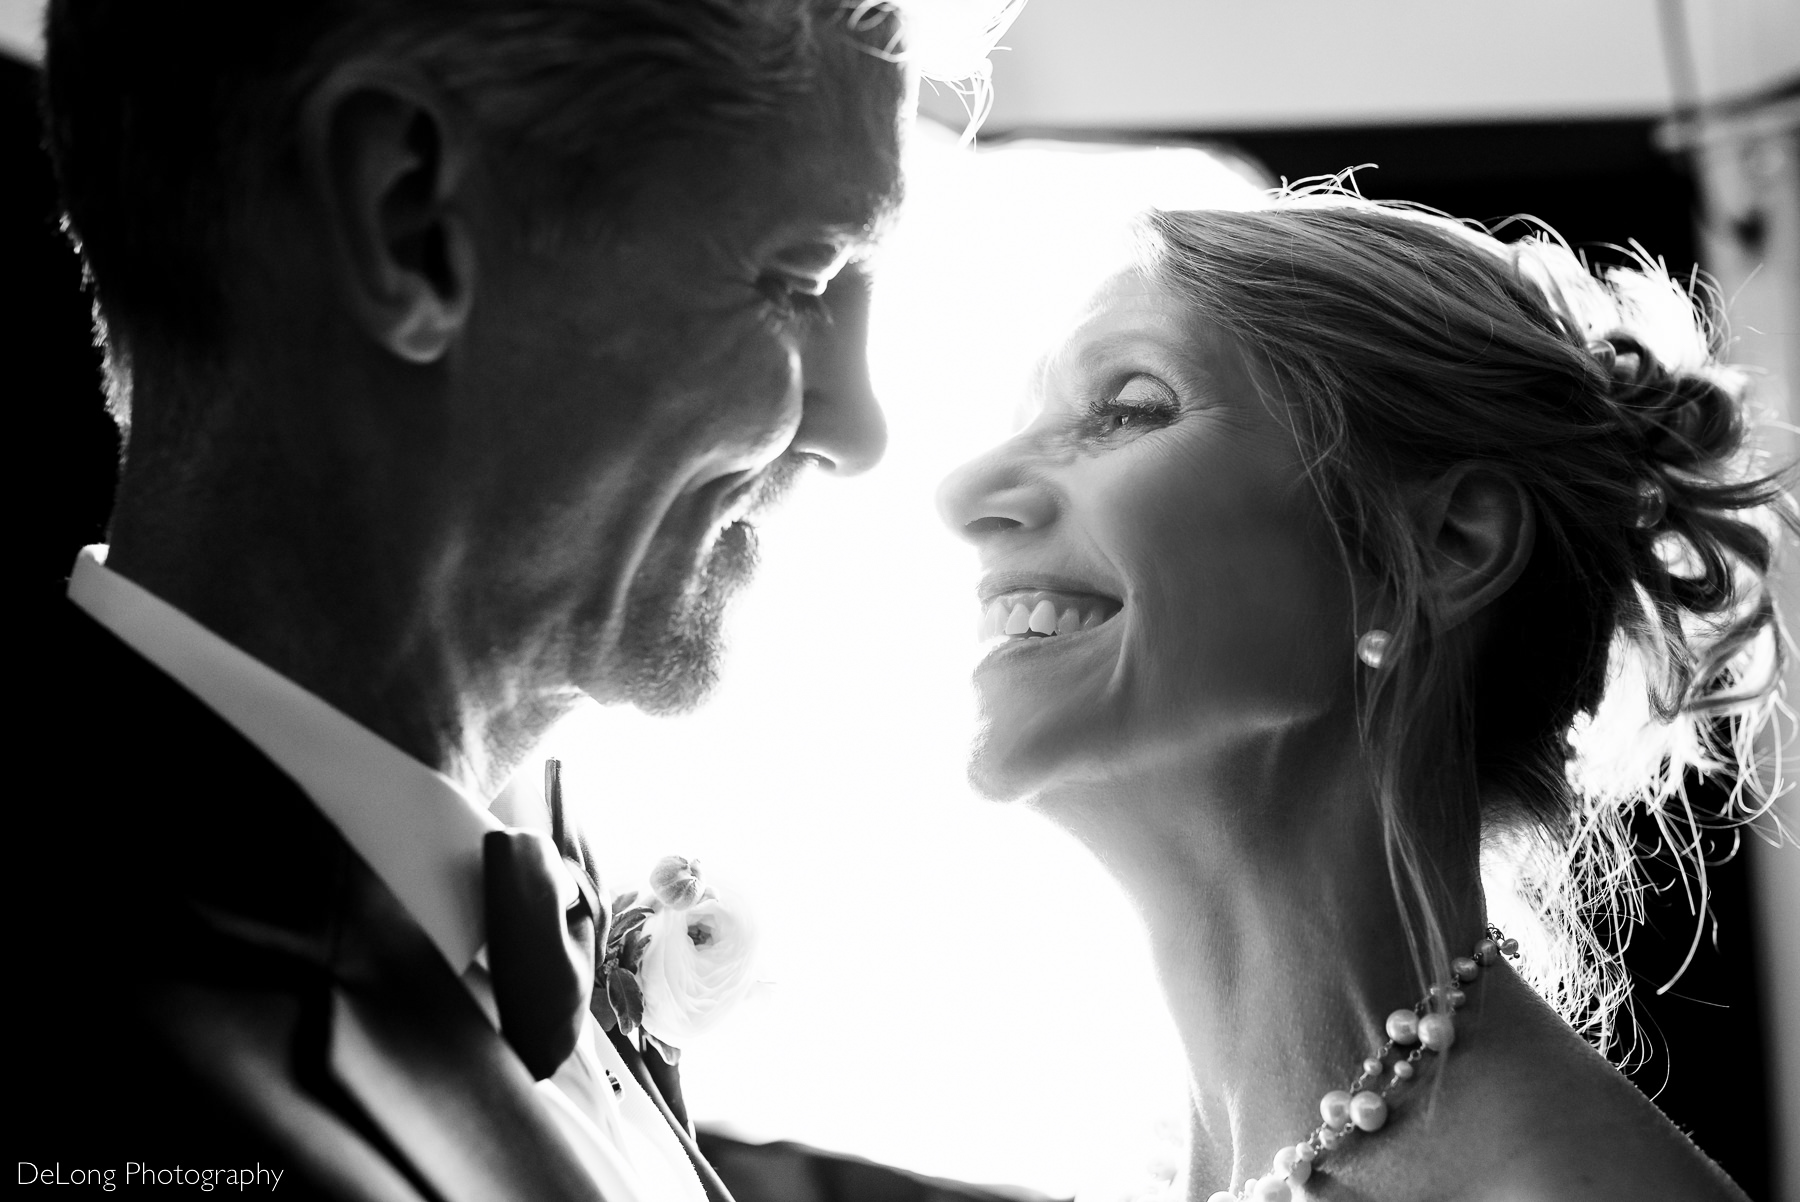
(678,956)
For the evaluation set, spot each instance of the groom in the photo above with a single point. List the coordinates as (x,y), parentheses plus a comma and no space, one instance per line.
(456,347)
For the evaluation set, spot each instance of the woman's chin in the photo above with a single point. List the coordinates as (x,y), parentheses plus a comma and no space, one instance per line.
(995,779)
(1042,704)
(1019,755)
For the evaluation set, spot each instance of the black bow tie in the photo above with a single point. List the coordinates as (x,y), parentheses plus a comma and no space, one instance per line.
(540,956)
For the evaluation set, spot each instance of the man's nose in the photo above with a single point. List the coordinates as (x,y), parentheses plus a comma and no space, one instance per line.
(841,424)
(996,493)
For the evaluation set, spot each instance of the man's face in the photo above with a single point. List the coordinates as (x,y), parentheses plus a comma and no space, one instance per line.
(638,395)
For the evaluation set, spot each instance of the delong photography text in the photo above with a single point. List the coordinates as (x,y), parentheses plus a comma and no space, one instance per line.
(140,1173)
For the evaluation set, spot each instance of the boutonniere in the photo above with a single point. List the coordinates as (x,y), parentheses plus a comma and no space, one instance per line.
(679,955)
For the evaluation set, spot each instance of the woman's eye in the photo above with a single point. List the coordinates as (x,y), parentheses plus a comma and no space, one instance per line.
(1141,404)
(1117,418)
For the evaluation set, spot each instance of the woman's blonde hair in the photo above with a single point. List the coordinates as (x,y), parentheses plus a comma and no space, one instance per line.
(1639,648)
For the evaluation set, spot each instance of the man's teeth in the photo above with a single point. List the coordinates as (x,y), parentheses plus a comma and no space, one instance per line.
(1040,617)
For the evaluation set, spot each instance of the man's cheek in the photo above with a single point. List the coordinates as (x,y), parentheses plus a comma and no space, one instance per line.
(756,404)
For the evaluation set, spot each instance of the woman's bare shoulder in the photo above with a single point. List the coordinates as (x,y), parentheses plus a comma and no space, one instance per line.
(1555,1120)
(1626,1172)
(1523,1110)
(1568,1132)
(1625,1167)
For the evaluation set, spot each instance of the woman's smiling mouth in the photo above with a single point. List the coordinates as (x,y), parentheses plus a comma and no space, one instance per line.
(1020,614)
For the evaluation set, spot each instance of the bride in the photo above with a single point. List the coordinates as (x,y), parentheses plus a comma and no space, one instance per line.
(1351,555)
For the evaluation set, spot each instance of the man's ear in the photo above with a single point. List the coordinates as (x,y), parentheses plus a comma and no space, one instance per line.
(1478,530)
(388,169)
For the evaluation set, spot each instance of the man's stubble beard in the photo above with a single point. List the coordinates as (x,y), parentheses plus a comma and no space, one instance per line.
(673,648)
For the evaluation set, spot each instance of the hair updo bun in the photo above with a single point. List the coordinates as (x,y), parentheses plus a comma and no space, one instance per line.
(1690,428)
(1683,420)
(1703,531)
(1640,645)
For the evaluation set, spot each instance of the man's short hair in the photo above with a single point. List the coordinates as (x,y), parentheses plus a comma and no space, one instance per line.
(165,118)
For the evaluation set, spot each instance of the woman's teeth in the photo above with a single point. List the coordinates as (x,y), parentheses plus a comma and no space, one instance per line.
(1034,615)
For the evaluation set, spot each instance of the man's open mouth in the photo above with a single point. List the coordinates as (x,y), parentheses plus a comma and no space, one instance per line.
(1043,614)
(749,494)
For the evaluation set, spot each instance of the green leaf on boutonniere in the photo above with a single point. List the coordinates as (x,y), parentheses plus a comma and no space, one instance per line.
(631,951)
(616,975)
(626,998)
(671,1055)
(626,924)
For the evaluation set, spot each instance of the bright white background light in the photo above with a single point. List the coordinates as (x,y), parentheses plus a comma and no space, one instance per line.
(958,989)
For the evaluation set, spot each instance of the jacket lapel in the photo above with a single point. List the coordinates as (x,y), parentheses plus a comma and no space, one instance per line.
(408,1042)
(276,966)
(637,1062)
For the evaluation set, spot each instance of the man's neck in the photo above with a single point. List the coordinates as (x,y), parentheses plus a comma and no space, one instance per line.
(357,629)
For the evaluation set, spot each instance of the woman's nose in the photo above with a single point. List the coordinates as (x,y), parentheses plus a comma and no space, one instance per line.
(841,423)
(993,494)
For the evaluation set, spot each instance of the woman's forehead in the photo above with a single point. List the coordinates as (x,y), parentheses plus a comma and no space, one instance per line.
(1128,294)
(1128,310)
(1133,316)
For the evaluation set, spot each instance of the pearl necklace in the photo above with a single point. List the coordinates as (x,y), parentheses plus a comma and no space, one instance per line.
(1427,1027)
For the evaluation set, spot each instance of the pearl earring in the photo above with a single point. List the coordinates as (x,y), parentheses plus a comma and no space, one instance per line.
(1372,647)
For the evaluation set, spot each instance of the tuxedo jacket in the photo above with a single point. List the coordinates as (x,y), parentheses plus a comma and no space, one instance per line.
(208,976)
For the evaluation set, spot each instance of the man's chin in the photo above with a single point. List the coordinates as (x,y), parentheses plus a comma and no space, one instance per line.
(681,681)
(673,650)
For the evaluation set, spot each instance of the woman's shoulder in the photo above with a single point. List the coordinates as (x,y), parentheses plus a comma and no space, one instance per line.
(1553,1119)
(1598,1158)
(1576,1147)
(1626,1169)
(1562,1133)
(1523,1110)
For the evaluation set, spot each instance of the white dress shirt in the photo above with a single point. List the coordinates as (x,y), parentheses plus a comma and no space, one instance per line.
(421,833)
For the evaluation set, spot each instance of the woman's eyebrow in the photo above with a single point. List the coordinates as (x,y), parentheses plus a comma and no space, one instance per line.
(1155,355)
(1095,351)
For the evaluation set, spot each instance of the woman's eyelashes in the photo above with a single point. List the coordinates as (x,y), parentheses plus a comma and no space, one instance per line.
(1141,403)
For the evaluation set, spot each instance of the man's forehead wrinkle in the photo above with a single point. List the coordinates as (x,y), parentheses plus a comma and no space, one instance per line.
(856,123)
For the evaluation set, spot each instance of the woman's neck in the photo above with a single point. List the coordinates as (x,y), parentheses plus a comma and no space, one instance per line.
(1264,884)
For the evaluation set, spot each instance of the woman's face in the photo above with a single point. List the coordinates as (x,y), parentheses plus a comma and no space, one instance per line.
(1158,579)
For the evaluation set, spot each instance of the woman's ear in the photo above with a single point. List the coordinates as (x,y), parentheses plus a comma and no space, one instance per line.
(1477,529)
(382,159)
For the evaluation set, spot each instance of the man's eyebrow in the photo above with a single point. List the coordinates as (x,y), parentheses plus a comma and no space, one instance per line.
(856,238)
(851,241)
(862,237)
